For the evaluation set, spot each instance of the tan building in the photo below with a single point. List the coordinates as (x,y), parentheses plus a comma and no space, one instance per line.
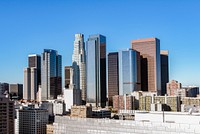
(150,63)
(194,101)
(6,116)
(172,87)
(81,111)
(173,102)
(49,129)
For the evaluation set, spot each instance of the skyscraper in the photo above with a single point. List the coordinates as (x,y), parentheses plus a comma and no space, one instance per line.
(30,83)
(51,74)
(113,76)
(34,60)
(150,64)
(78,63)
(32,77)
(164,70)
(96,70)
(129,71)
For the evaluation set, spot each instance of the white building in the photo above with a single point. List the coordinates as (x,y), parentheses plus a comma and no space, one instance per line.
(78,63)
(72,97)
(70,125)
(31,121)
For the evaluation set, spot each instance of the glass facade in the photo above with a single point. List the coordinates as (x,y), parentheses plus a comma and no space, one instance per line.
(96,70)
(127,71)
(51,74)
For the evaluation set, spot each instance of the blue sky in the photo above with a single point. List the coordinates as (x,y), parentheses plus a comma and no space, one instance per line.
(29,26)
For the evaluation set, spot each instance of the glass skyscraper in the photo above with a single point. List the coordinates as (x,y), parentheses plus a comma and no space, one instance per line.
(129,78)
(51,74)
(96,70)
(78,63)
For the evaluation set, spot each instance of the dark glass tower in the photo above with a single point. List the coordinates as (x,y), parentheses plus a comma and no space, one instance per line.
(164,71)
(96,70)
(113,76)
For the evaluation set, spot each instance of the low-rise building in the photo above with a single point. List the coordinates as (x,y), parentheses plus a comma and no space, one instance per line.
(81,111)
(6,116)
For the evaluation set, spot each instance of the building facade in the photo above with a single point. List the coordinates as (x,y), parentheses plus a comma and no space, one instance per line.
(164,70)
(172,87)
(51,74)
(150,63)
(96,70)
(113,76)
(124,102)
(79,65)
(30,84)
(16,91)
(4,87)
(32,77)
(31,121)
(129,72)
(6,116)
(67,76)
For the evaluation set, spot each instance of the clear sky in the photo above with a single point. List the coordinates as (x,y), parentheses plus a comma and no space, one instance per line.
(29,26)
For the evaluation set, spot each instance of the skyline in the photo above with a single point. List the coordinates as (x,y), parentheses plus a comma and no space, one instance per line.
(52,25)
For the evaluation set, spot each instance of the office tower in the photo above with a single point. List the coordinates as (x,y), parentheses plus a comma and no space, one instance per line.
(164,70)
(34,61)
(67,76)
(129,71)
(96,70)
(31,121)
(79,64)
(113,76)
(6,116)
(4,87)
(51,70)
(172,86)
(150,63)
(30,84)
(32,77)
(16,91)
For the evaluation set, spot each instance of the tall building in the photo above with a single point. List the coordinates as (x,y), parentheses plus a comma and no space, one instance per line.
(6,116)
(164,70)
(79,64)
(113,76)
(96,70)
(30,84)
(172,86)
(34,61)
(51,71)
(150,64)
(31,121)
(16,91)
(32,77)
(129,71)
